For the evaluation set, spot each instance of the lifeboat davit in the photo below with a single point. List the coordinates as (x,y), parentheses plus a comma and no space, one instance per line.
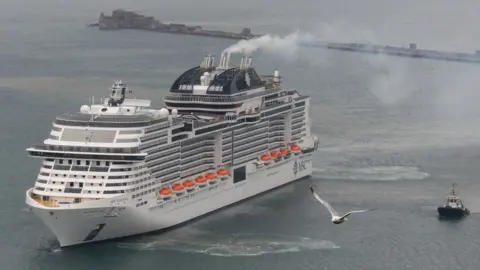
(201,181)
(266,158)
(295,148)
(189,185)
(211,178)
(223,173)
(166,193)
(275,154)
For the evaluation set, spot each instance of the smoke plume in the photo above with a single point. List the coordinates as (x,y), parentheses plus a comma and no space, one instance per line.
(272,44)
(390,85)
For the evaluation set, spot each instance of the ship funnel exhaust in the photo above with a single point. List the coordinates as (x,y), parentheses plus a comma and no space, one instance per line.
(242,62)
(224,60)
(221,65)
(209,61)
(227,62)
(205,62)
(248,61)
(276,77)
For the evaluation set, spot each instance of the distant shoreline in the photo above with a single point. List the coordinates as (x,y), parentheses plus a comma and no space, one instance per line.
(121,19)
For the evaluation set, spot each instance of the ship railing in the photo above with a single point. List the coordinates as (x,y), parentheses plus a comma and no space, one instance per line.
(115,150)
(201,99)
(197,124)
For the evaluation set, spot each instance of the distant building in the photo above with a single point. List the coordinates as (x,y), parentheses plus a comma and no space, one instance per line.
(246,32)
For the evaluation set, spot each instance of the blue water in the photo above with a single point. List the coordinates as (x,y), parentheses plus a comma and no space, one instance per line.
(394,132)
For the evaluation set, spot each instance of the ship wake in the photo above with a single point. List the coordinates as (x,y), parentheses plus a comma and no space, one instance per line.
(379,173)
(243,244)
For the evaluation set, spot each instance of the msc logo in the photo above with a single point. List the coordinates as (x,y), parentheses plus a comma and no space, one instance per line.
(299,166)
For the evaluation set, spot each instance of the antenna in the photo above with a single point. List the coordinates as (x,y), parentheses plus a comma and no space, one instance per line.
(453,188)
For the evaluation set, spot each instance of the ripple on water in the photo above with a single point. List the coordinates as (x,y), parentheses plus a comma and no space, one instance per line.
(379,173)
(242,244)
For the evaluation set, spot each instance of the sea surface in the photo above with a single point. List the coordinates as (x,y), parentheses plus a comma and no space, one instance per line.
(394,132)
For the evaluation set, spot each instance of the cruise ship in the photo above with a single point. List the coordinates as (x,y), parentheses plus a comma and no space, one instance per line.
(119,168)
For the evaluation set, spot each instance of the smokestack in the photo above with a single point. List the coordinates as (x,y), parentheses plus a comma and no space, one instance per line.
(276,76)
(249,61)
(242,64)
(204,63)
(213,60)
(209,61)
(222,60)
(228,60)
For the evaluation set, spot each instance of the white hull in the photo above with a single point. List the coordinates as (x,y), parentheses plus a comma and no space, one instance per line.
(120,217)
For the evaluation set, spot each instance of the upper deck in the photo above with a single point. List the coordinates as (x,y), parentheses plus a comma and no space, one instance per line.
(221,80)
(222,89)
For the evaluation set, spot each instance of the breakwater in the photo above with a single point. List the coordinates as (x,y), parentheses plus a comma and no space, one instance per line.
(411,51)
(121,19)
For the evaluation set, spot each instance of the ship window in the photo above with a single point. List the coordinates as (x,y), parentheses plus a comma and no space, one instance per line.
(69,161)
(107,163)
(210,129)
(179,137)
(239,174)
(300,104)
(88,162)
(98,163)
(60,161)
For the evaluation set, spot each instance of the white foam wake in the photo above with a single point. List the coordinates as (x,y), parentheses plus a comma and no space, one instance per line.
(380,173)
(246,244)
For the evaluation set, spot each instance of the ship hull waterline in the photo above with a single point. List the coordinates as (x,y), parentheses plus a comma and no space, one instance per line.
(448,212)
(80,225)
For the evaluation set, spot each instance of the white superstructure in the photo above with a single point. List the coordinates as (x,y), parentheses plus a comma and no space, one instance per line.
(120,168)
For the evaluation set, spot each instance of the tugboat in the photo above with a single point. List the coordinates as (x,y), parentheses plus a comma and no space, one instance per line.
(453,207)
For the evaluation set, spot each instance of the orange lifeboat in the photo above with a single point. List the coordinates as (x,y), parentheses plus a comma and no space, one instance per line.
(295,147)
(283,151)
(177,187)
(222,172)
(200,179)
(265,157)
(188,183)
(165,191)
(210,176)
(274,154)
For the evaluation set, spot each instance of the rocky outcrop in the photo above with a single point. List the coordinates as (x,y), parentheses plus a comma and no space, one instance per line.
(121,19)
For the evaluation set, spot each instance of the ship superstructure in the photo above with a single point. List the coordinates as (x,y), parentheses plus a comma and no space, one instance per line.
(120,168)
